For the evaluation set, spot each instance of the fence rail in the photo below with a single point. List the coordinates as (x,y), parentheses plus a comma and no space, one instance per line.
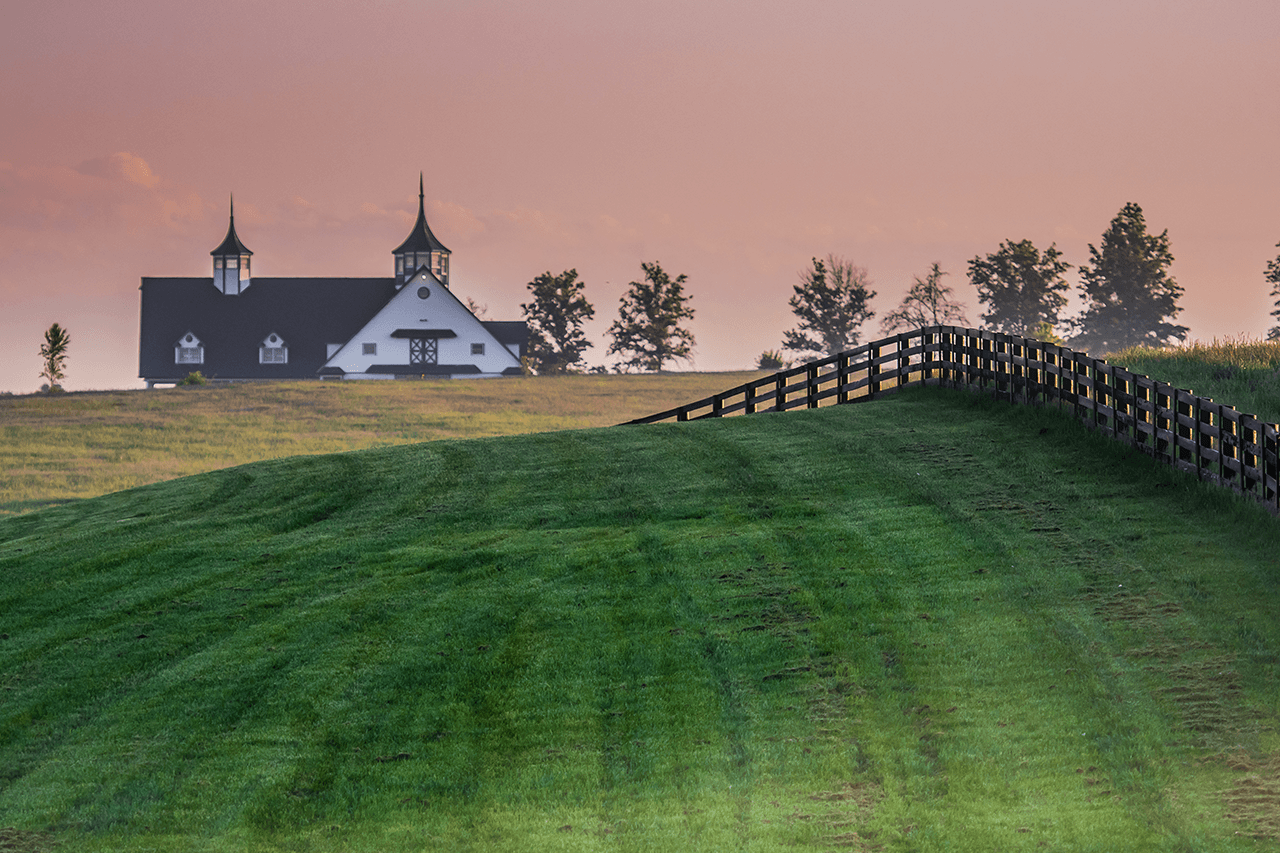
(1175,426)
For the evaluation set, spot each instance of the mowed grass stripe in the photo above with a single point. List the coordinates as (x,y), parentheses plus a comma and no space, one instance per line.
(927,623)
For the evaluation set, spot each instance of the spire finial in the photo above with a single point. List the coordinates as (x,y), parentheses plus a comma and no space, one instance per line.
(420,193)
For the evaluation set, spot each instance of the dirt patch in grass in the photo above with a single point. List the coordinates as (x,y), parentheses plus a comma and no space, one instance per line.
(844,810)
(25,841)
(1205,688)
(1254,800)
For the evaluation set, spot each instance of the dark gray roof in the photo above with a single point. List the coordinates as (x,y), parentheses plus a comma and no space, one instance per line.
(420,239)
(307,313)
(231,244)
(424,333)
(509,332)
(423,369)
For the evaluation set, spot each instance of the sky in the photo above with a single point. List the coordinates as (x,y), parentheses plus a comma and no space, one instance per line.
(728,141)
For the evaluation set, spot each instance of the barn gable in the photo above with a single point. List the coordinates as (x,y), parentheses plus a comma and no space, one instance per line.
(424,330)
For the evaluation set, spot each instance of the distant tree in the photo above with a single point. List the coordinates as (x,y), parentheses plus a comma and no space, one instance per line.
(831,304)
(648,326)
(481,311)
(1044,332)
(555,318)
(1273,278)
(928,303)
(54,353)
(770,360)
(1020,287)
(1129,295)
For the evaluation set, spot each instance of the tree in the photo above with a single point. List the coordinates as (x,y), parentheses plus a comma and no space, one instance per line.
(54,353)
(648,326)
(1273,278)
(1129,295)
(928,303)
(1021,288)
(555,318)
(770,360)
(831,303)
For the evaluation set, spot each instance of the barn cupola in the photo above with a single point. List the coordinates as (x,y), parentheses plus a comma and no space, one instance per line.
(231,261)
(421,249)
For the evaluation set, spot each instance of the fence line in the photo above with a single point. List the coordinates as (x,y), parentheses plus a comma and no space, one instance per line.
(1175,426)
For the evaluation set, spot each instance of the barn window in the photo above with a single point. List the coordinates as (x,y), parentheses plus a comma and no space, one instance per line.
(188,350)
(477,349)
(273,350)
(368,349)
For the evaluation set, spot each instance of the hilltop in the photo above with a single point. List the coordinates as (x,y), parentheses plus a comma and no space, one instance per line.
(68,447)
(932,622)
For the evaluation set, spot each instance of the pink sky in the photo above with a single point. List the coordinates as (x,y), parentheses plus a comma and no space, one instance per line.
(731,141)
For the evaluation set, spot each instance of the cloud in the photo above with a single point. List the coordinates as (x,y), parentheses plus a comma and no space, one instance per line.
(121,166)
(104,195)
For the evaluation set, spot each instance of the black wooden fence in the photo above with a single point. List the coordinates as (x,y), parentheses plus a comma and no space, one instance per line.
(1173,425)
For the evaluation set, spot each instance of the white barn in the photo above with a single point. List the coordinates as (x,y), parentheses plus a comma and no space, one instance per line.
(233,327)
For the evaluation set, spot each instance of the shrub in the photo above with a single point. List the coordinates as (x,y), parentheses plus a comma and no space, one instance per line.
(770,360)
(195,378)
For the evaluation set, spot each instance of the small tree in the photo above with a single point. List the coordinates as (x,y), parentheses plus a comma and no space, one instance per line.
(648,330)
(555,317)
(770,360)
(831,302)
(1273,278)
(1021,288)
(928,303)
(1129,294)
(54,353)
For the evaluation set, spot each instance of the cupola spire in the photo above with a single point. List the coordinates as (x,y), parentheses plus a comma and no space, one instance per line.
(231,260)
(421,248)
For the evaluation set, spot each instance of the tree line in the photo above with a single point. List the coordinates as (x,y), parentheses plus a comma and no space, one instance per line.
(1130,299)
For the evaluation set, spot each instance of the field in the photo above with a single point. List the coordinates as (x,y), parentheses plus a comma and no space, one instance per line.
(932,622)
(1240,372)
(68,447)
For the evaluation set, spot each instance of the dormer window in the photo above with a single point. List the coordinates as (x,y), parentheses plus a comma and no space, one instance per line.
(273,350)
(188,350)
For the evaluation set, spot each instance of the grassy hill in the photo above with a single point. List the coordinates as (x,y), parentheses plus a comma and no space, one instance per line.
(927,623)
(67,447)
(1241,373)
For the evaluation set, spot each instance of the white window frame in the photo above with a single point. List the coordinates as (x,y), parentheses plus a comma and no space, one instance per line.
(273,350)
(188,350)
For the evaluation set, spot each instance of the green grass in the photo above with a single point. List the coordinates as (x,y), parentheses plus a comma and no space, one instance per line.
(73,446)
(1237,371)
(927,623)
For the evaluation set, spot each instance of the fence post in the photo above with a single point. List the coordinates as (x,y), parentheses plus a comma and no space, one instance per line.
(1271,466)
(811,389)
(842,366)
(1160,413)
(1249,456)
(873,370)
(749,399)
(780,393)
(926,357)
